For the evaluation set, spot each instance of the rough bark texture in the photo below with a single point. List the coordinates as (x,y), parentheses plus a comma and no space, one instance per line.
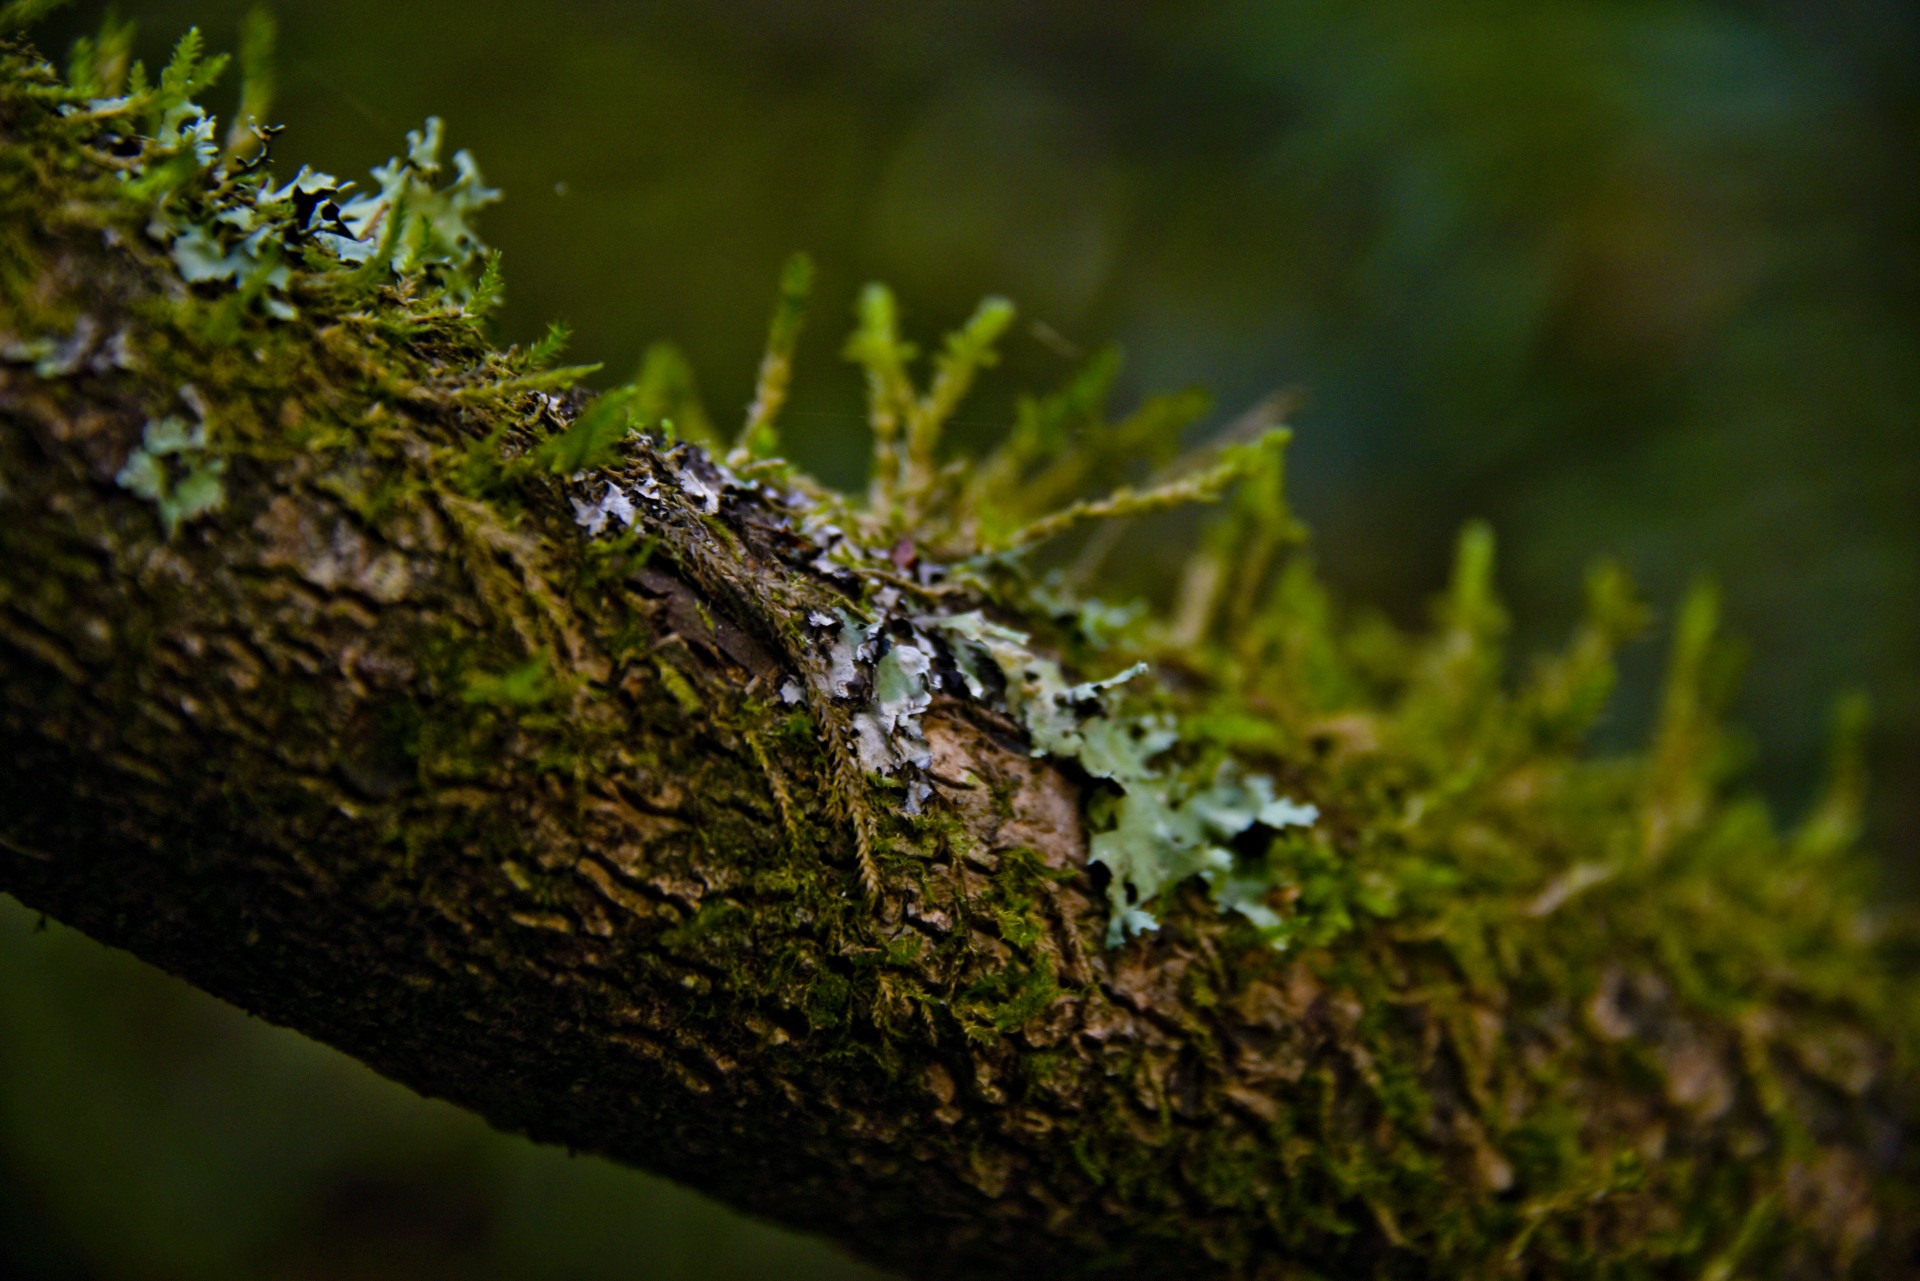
(384,750)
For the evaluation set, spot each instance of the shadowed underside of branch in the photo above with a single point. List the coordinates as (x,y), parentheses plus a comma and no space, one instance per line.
(652,800)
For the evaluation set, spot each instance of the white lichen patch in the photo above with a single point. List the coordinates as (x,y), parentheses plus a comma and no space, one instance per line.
(704,495)
(613,505)
(84,348)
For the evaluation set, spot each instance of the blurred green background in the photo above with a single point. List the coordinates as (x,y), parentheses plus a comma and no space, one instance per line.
(1625,277)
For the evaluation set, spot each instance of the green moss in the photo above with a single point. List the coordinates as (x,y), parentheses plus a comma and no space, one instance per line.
(701,924)
(828,997)
(679,686)
(531,684)
(997,1004)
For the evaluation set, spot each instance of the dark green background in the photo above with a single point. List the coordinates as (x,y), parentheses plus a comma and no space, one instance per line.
(1634,278)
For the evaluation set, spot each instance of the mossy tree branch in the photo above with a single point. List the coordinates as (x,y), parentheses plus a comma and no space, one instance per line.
(322,689)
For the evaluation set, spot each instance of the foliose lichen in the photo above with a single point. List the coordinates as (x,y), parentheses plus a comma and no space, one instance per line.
(172,469)
(219,212)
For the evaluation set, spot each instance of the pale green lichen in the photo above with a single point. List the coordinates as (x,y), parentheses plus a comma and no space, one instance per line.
(225,221)
(172,469)
(1154,827)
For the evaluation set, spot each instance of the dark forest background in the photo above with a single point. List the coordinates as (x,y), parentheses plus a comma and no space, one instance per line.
(1633,278)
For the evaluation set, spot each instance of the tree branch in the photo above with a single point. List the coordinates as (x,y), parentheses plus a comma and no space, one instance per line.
(338,706)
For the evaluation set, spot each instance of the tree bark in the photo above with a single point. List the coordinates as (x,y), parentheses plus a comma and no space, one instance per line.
(383,748)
